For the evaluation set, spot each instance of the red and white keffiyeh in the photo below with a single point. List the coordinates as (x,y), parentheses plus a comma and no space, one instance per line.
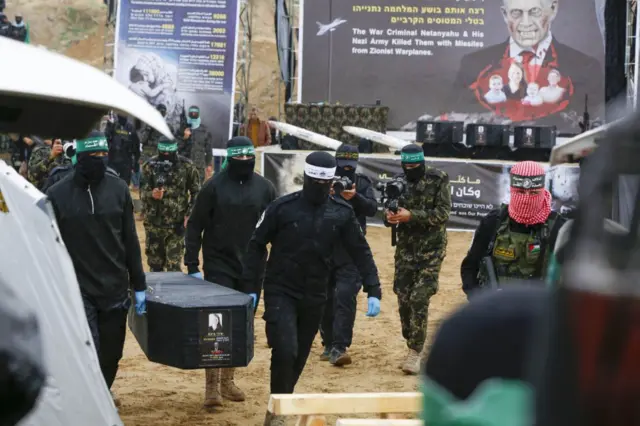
(529,206)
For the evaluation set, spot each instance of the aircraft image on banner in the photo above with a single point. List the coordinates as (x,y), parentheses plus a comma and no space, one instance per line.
(323,29)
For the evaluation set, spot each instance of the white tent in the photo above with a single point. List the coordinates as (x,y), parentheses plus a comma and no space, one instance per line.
(35,264)
(54,95)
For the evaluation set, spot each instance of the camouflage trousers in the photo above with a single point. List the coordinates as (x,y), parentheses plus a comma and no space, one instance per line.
(164,248)
(414,287)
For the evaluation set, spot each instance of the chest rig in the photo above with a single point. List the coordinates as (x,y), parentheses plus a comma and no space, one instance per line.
(520,255)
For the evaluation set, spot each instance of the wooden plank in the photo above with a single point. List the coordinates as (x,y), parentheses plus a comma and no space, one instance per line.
(378,422)
(345,403)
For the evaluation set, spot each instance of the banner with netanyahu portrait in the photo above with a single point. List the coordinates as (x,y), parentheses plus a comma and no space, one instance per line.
(532,61)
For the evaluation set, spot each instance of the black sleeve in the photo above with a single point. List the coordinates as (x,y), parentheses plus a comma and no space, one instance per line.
(208,153)
(364,202)
(135,142)
(254,258)
(197,223)
(481,239)
(358,249)
(137,278)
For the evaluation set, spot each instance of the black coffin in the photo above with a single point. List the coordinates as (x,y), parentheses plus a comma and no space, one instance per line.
(191,323)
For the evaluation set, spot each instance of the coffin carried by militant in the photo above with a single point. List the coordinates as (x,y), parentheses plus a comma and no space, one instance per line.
(192,323)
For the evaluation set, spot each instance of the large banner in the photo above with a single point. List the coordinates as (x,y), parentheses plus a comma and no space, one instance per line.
(523,60)
(476,187)
(181,54)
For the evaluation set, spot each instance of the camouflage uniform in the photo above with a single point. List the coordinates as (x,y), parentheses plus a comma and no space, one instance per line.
(164,218)
(421,248)
(149,140)
(40,165)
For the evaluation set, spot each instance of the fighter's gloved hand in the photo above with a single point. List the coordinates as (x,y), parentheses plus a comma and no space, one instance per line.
(141,303)
(374,307)
(255,299)
(197,275)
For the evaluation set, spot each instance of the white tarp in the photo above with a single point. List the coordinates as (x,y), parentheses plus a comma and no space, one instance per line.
(35,263)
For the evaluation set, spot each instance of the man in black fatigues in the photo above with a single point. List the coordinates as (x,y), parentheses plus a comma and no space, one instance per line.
(124,147)
(340,313)
(94,212)
(227,209)
(303,229)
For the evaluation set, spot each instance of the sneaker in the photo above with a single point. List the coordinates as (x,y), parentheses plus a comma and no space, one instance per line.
(339,357)
(325,355)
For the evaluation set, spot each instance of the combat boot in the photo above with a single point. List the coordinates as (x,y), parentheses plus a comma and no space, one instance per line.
(339,357)
(411,363)
(228,388)
(212,397)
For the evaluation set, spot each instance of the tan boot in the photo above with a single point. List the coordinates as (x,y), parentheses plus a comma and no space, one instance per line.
(411,363)
(228,388)
(212,397)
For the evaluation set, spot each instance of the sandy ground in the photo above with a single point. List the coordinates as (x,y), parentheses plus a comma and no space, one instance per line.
(154,395)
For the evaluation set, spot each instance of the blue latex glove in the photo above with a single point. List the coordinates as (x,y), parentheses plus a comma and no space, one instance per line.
(197,275)
(374,307)
(141,303)
(255,299)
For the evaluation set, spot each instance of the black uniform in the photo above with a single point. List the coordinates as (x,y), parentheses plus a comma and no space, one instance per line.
(303,237)
(345,283)
(98,228)
(227,211)
(124,147)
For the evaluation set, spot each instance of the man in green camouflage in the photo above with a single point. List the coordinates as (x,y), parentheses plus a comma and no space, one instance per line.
(44,158)
(424,208)
(171,183)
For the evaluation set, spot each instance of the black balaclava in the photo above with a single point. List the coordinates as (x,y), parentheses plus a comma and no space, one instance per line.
(90,169)
(162,109)
(122,119)
(240,170)
(413,154)
(347,161)
(319,165)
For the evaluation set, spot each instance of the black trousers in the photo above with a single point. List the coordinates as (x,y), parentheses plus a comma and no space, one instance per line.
(339,316)
(291,326)
(108,329)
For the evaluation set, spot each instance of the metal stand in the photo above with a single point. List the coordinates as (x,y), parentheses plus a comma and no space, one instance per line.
(632,65)
(109,42)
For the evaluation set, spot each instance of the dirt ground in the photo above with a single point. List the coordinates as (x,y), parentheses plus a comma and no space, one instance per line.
(155,395)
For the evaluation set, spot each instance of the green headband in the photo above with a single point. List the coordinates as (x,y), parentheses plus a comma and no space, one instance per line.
(347,155)
(412,157)
(98,144)
(168,146)
(237,151)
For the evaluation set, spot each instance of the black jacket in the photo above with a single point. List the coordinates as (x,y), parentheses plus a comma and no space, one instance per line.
(227,211)
(364,205)
(98,227)
(484,236)
(303,238)
(124,147)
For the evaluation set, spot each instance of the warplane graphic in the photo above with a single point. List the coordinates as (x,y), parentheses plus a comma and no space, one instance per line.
(323,29)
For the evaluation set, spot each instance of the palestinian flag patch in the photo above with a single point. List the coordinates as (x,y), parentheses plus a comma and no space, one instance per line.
(534,248)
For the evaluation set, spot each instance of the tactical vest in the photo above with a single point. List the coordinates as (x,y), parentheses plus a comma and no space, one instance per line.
(518,255)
